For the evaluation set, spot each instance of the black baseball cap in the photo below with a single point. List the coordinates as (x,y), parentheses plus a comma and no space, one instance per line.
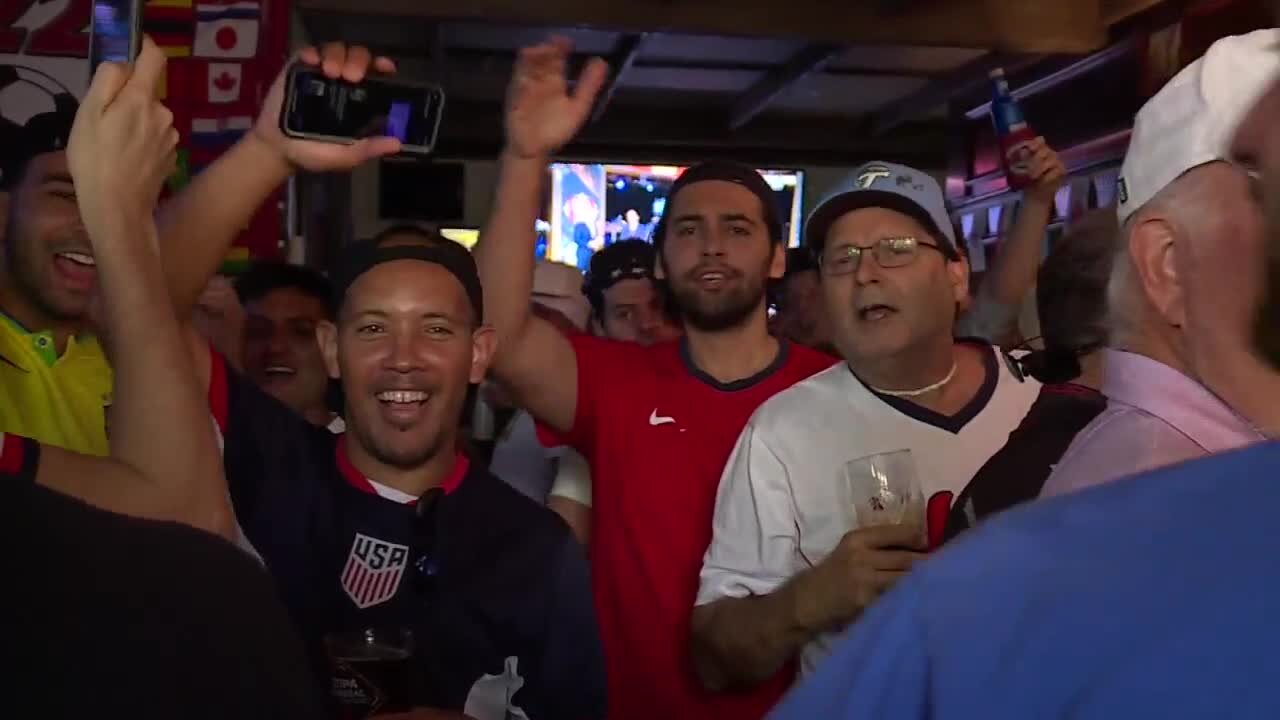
(726,172)
(362,256)
(623,260)
(44,133)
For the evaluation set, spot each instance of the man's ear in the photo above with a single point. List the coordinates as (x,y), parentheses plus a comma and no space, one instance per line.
(778,263)
(327,336)
(1152,247)
(659,266)
(958,274)
(484,341)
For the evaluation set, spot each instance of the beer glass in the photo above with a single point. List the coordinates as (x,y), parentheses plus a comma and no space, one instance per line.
(883,489)
(372,671)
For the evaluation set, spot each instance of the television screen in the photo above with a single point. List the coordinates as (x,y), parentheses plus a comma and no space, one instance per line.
(467,237)
(596,205)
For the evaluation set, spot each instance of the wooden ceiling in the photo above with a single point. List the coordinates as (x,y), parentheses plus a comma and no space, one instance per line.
(795,82)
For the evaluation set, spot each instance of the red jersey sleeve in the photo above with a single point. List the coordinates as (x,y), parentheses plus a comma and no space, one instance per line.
(600,364)
(19,458)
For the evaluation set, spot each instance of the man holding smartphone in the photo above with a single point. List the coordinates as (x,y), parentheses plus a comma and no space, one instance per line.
(390,525)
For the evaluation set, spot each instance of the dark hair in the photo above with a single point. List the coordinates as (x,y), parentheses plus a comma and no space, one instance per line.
(1071,296)
(741,175)
(264,277)
(429,237)
(44,133)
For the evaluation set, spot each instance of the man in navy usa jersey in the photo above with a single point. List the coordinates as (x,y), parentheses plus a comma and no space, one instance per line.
(389,526)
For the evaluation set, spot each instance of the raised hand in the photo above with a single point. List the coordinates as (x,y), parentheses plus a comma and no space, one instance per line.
(336,60)
(1046,171)
(122,145)
(542,114)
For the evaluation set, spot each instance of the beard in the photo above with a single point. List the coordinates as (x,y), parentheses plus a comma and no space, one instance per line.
(728,309)
(392,454)
(21,270)
(1267,322)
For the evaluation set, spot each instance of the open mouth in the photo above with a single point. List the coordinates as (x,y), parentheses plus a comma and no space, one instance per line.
(876,312)
(712,279)
(278,372)
(403,397)
(403,408)
(77,269)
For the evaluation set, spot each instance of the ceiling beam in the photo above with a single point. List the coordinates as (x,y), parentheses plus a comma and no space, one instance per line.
(1010,25)
(624,56)
(474,129)
(758,97)
(965,79)
(1066,73)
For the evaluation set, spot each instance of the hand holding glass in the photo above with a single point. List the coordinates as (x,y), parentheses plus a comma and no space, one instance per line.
(884,490)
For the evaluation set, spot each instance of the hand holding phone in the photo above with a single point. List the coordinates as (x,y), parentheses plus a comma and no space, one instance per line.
(277,153)
(335,110)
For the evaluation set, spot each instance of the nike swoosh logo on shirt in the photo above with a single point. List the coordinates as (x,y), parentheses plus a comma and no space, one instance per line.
(655,419)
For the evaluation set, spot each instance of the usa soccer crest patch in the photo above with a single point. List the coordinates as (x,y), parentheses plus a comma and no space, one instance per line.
(373,570)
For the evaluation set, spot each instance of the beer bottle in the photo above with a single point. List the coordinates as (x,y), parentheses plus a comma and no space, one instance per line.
(1012,132)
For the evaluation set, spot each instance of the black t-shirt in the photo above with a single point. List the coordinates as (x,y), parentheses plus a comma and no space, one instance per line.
(500,604)
(110,616)
(1019,470)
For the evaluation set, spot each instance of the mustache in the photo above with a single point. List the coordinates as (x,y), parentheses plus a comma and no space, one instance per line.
(706,267)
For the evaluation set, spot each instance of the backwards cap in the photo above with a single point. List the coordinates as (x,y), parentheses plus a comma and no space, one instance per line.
(362,256)
(725,172)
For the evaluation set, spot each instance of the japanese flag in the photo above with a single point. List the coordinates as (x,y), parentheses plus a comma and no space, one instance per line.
(225,80)
(227,31)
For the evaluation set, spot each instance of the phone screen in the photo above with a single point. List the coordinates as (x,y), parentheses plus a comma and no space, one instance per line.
(111,37)
(320,106)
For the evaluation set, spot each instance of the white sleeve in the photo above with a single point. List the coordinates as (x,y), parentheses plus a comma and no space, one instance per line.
(754,533)
(573,478)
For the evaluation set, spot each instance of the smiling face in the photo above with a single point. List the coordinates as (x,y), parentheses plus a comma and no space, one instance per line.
(877,313)
(48,262)
(281,352)
(717,255)
(406,348)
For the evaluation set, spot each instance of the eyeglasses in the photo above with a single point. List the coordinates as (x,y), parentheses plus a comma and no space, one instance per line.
(889,252)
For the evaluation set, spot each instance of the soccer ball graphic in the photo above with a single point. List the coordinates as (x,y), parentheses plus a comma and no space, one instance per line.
(26,93)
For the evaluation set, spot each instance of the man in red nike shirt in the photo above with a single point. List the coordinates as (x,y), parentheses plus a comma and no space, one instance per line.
(655,423)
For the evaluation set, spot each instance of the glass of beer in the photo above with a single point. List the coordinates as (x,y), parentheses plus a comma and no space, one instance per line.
(372,672)
(884,490)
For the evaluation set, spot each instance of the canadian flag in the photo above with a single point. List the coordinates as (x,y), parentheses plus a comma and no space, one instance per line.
(225,80)
(227,31)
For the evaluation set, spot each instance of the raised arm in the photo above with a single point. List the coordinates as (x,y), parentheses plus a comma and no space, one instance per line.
(164,457)
(200,223)
(534,360)
(1014,271)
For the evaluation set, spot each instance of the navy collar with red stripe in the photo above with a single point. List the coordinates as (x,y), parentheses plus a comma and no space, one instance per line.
(357,479)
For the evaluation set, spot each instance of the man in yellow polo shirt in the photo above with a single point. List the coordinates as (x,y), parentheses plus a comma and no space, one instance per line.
(55,383)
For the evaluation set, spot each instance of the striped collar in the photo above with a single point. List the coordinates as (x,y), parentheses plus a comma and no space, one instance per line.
(357,479)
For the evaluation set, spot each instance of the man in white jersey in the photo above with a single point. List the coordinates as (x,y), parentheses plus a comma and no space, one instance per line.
(787,566)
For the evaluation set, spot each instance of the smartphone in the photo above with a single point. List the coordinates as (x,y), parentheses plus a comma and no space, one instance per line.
(321,108)
(115,33)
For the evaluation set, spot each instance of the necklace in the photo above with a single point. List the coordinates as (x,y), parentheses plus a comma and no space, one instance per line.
(918,391)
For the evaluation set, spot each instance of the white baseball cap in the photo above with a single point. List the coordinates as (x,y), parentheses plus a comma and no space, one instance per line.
(559,287)
(1191,120)
(886,185)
